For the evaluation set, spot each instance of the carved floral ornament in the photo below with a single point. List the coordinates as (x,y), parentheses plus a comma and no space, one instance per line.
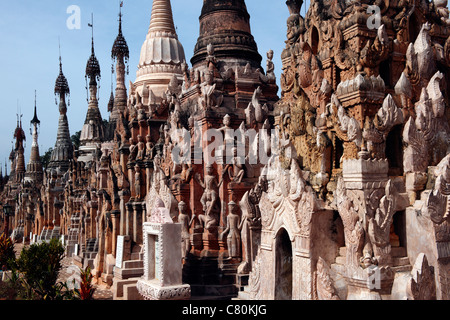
(288,201)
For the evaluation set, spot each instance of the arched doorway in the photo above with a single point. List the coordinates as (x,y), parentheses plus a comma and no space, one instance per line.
(283,266)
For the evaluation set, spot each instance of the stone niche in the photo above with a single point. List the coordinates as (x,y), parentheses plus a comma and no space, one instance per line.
(162,278)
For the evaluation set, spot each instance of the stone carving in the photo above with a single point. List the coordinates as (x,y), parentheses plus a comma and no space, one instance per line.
(251,223)
(186,222)
(260,110)
(255,279)
(324,288)
(133,150)
(210,199)
(380,226)
(422,286)
(237,169)
(288,192)
(423,50)
(137,182)
(377,50)
(159,190)
(270,69)
(348,125)
(159,214)
(353,229)
(233,231)
(437,203)
(164,293)
(416,152)
(429,109)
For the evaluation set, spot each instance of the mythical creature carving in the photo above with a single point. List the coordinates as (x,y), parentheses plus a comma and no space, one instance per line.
(376,133)
(353,228)
(380,226)
(377,50)
(324,288)
(437,205)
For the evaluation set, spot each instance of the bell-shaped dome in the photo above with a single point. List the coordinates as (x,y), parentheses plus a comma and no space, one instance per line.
(120,46)
(61,84)
(93,67)
(162,53)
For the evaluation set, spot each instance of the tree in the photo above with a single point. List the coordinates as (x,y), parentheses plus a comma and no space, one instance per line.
(45,159)
(76,140)
(40,265)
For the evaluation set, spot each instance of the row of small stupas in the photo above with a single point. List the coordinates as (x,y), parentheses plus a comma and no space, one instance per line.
(352,202)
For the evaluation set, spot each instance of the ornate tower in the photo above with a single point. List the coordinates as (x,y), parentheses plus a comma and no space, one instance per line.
(93,132)
(20,137)
(119,53)
(34,168)
(63,151)
(161,54)
(225,25)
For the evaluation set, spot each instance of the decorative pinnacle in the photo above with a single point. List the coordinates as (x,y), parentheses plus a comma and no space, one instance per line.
(35,119)
(92,66)
(120,47)
(61,85)
(162,18)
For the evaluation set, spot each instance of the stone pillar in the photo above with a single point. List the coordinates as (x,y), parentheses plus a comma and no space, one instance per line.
(115,218)
(129,220)
(148,174)
(301,269)
(124,198)
(91,231)
(130,167)
(28,222)
(49,213)
(108,240)
(87,227)
(137,222)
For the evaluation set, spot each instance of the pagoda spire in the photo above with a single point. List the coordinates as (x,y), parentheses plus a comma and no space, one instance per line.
(20,137)
(162,18)
(120,53)
(92,132)
(63,151)
(34,171)
(92,67)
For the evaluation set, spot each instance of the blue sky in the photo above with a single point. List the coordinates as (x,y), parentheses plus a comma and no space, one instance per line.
(29,32)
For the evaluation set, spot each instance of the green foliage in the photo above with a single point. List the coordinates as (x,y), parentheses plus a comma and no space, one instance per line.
(76,140)
(12,289)
(39,266)
(45,159)
(86,291)
(7,253)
